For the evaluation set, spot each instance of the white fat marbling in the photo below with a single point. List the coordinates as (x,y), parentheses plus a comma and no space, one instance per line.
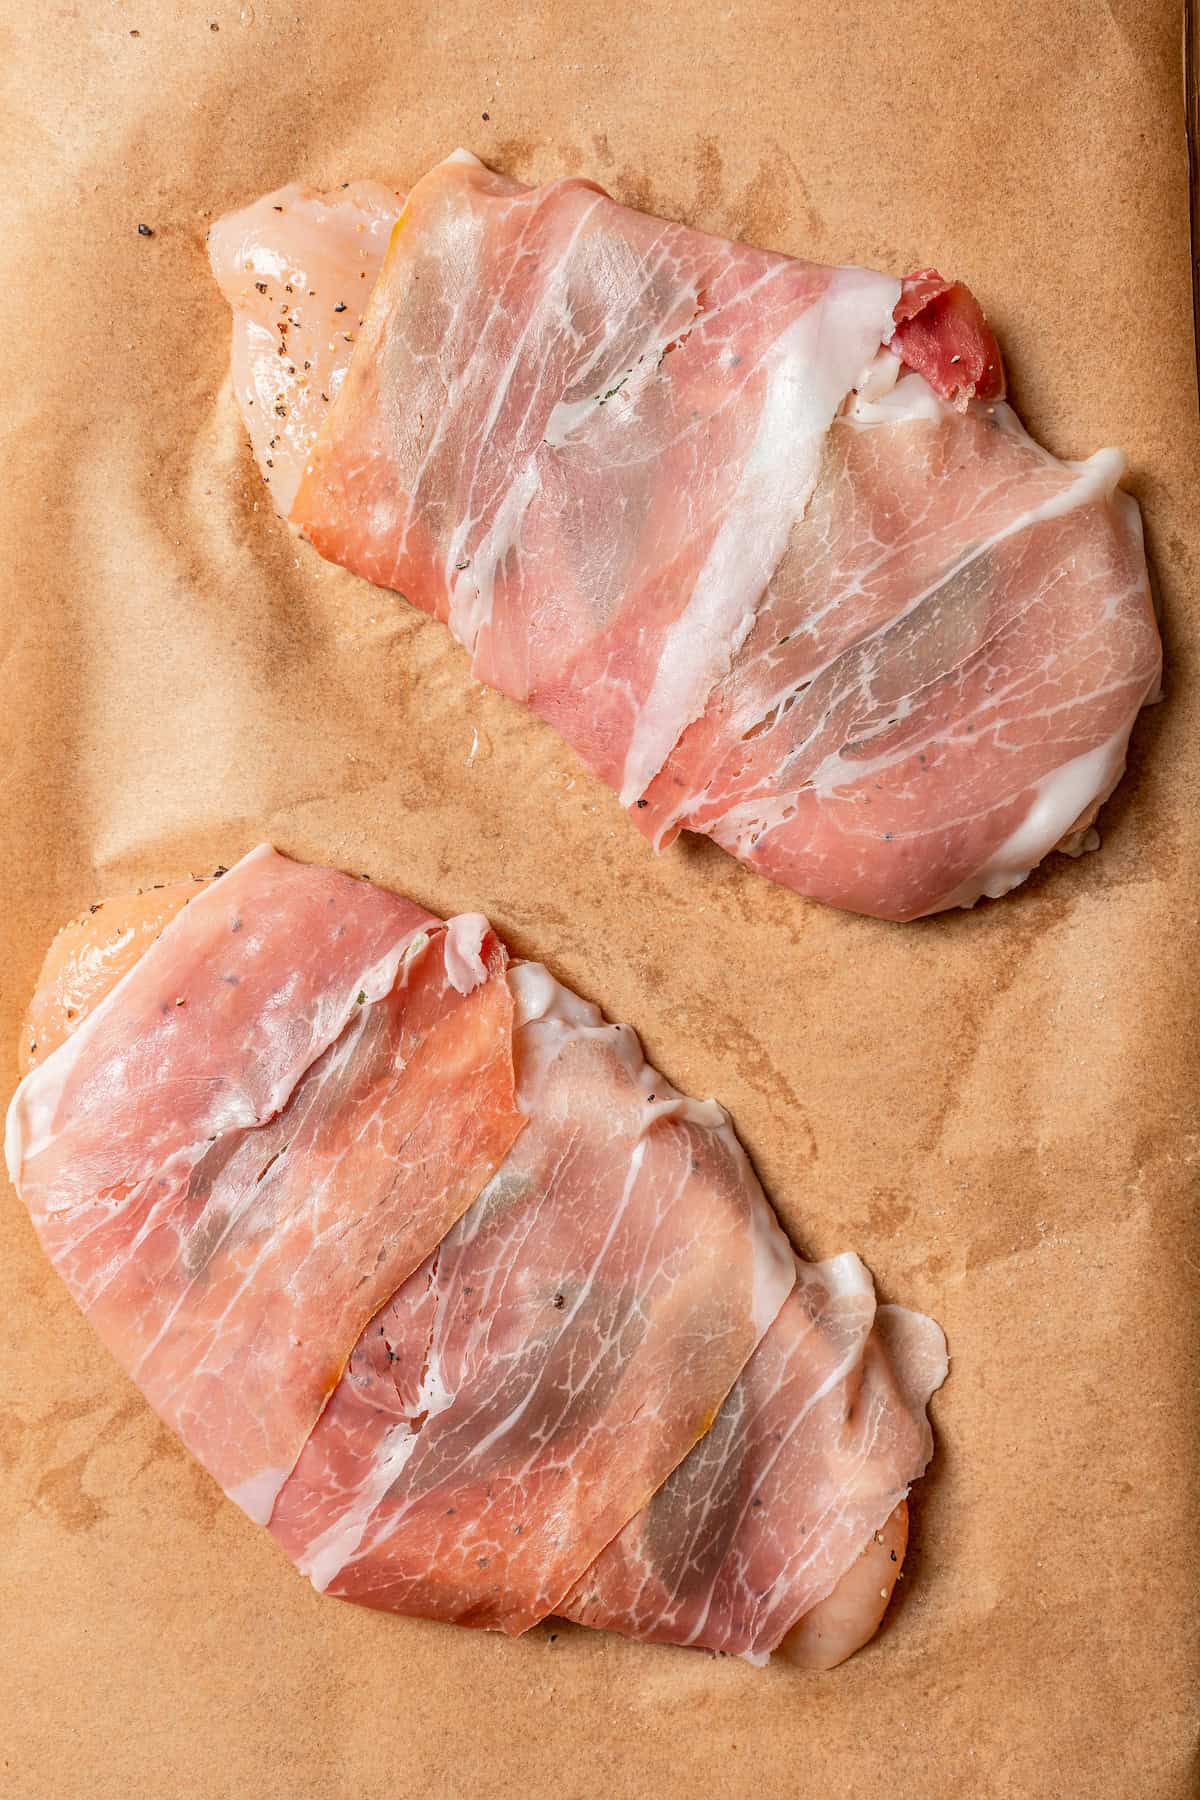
(809,372)
(1062,797)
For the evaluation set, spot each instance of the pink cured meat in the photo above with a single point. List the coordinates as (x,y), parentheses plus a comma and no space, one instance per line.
(225,1167)
(527,1391)
(942,334)
(879,751)
(776,581)
(813,1450)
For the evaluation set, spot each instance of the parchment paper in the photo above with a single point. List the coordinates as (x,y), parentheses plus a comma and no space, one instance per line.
(996,1109)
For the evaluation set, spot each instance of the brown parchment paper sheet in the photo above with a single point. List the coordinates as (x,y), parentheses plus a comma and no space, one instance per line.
(996,1109)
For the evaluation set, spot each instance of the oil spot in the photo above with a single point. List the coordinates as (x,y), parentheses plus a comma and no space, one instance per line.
(759,902)
(1008,933)
(558,916)
(66,1412)
(196,1495)
(13,1431)
(633,187)
(710,170)
(776,205)
(1181,555)
(513,156)
(753,1061)
(571,158)
(652,978)
(888,1212)
(764,209)
(61,1490)
(601,148)
(134,1407)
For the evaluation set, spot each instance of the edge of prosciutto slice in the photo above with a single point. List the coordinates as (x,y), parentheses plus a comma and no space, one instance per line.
(618,458)
(607,1345)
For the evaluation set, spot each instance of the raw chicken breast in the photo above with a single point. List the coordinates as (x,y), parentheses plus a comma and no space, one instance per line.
(88,957)
(297,268)
(758,537)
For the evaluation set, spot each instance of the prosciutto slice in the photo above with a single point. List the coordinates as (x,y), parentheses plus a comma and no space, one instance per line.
(760,538)
(443,1282)
(808,1459)
(263,1128)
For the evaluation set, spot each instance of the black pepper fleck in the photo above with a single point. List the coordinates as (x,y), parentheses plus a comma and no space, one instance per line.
(145,231)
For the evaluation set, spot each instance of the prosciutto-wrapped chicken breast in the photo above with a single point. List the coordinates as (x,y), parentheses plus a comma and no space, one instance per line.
(759,538)
(446,1286)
